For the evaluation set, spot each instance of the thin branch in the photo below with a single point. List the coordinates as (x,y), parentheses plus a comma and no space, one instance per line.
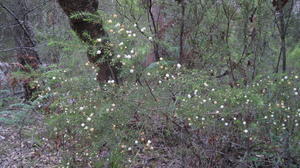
(36,7)
(16,48)
(19,22)
(147,84)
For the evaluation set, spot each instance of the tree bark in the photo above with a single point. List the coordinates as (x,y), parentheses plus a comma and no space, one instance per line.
(95,30)
(24,38)
(282,32)
(181,38)
(156,17)
(282,25)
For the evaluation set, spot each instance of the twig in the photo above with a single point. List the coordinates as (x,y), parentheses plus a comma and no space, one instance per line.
(150,91)
(19,22)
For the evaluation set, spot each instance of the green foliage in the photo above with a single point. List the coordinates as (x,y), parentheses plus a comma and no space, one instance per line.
(294,57)
(17,114)
(111,118)
(166,110)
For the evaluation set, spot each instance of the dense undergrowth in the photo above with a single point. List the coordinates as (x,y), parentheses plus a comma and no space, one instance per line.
(199,85)
(165,115)
(171,117)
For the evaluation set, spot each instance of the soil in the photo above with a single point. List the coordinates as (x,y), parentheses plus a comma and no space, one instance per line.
(21,142)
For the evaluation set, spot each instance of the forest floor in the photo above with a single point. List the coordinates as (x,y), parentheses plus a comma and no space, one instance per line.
(21,144)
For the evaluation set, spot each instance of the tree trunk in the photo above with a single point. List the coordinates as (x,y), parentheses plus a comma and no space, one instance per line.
(24,38)
(282,28)
(157,19)
(95,30)
(181,38)
(282,38)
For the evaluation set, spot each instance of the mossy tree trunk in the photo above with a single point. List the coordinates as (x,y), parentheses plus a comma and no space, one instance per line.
(95,31)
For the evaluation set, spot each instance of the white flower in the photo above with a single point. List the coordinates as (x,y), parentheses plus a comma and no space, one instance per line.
(122,29)
(109,21)
(117,25)
(244,122)
(99,40)
(246,131)
(143,29)
(148,74)
(129,148)
(205,84)
(89,119)
(132,51)
(131,70)
(222,106)
(226,124)
(120,44)
(150,38)
(81,108)
(82,124)
(178,66)
(99,52)
(110,81)
(118,56)
(167,75)
(136,142)
(134,25)
(127,56)
(189,96)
